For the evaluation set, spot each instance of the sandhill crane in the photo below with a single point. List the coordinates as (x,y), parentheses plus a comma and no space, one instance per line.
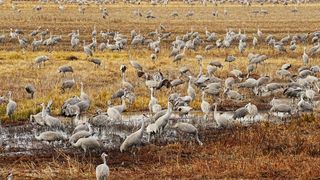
(305,57)
(240,113)
(133,139)
(23,42)
(205,106)
(293,46)
(188,128)
(36,44)
(236,73)
(179,56)
(74,41)
(96,62)
(221,119)
(121,108)
(175,51)
(87,50)
(30,89)
(11,106)
(81,134)
(233,94)
(41,60)
(81,127)
(304,105)
(87,144)
(310,94)
(102,170)
(162,121)
(252,110)
(229,59)
(113,113)
(50,136)
(65,69)
(191,92)
(67,84)
(83,95)
(154,107)
(50,120)
(242,46)
(255,42)
(125,84)
(281,108)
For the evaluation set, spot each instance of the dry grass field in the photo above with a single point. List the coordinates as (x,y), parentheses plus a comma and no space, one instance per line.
(263,150)
(17,69)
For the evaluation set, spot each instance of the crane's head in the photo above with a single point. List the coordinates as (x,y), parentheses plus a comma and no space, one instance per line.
(104,155)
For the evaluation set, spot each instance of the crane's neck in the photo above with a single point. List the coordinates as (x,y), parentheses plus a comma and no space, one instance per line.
(215,109)
(81,89)
(123,101)
(76,119)
(203,97)
(200,71)
(123,75)
(90,129)
(142,128)
(43,113)
(151,93)
(104,160)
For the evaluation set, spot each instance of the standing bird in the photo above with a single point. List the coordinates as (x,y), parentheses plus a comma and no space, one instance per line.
(102,170)
(188,128)
(305,57)
(133,139)
(11,106)
(87,50)
(229,59)
(205,106)
(30,90)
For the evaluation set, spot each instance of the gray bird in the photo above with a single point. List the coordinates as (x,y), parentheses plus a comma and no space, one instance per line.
(67,84)
(30,90)
(65,69)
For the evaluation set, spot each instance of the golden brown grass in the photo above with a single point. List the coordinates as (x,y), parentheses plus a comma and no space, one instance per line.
(16,67)
(261,151)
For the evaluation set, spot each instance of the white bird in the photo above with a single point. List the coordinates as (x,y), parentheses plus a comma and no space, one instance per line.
(102,170)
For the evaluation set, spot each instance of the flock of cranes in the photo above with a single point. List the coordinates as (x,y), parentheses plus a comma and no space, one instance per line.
(293,88)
